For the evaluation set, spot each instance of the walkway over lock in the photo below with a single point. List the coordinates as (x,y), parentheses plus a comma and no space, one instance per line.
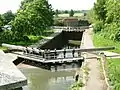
(53,56)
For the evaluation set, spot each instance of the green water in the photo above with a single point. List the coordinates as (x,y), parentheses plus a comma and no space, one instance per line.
(41,79)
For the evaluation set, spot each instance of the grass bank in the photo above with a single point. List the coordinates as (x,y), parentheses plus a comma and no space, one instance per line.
(32,39)
(113,72)
(76,86)
(100,41)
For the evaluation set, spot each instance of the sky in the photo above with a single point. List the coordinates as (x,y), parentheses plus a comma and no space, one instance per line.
(13,5)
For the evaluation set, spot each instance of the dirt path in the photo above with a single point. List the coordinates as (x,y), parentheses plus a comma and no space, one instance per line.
(94,82)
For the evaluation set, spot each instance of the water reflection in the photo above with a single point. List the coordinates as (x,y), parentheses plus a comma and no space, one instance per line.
(41,79)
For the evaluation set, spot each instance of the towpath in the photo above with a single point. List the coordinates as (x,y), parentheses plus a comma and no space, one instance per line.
(94,81)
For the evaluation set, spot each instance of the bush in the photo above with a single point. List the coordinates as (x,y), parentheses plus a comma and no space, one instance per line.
(6,36)
(112,31)
(98,26)
(83,23)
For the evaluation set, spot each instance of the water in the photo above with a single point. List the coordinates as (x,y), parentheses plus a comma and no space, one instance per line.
(41,79)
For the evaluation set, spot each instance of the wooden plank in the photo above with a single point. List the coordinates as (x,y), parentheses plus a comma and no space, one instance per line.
(85,49)
(67,50)
(50,60)
(63,60)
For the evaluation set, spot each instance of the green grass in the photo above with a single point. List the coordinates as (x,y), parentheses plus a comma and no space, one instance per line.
(32,39)
(76,86)
(100,41)
(3,48)
(113,66)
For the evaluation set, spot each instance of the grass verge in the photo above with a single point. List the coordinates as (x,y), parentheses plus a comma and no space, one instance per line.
(100,41)
(77,85)
(3,48)
(113,71)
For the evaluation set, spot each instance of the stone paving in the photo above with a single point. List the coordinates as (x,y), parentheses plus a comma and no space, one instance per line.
(10,76)
(94,82)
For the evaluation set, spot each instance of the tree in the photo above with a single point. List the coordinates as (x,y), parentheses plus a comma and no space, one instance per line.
(36,16)
(1,22)
(8,16)
(100,10)
(24,3)
(71,13)
(113,8)
(56,12)
(66,11)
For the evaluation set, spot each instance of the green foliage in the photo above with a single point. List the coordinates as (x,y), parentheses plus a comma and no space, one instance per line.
(36,16)
(77,85)
(106,18)
(98,26)
(100,10)
(6,36)
(90,16)
(100,41)
(8,16)
(113,66)
(71,13)
(58,22)
(114,31)
(56,12)
(1,20)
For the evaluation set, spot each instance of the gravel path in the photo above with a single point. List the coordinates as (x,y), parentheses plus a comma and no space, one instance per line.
(94,82)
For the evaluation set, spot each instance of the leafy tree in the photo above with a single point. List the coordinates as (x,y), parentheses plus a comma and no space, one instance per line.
(113,8)
(56,12)
(100,10)
(66,11)
(1,22)
(24,3)
(36,16)
(8,16)
(71,13)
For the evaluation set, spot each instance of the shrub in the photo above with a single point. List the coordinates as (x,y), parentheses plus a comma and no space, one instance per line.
(6,36)
(98,26)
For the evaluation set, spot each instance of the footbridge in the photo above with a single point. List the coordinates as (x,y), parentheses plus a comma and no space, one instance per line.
(52,56)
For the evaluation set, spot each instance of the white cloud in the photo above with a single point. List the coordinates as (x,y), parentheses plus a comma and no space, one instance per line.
(6,5)
(72,4)
(13,5)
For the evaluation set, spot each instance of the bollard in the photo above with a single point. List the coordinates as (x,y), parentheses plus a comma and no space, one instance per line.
(40,53)
(73,52)
(64,52)
(77,76)
(55,56)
